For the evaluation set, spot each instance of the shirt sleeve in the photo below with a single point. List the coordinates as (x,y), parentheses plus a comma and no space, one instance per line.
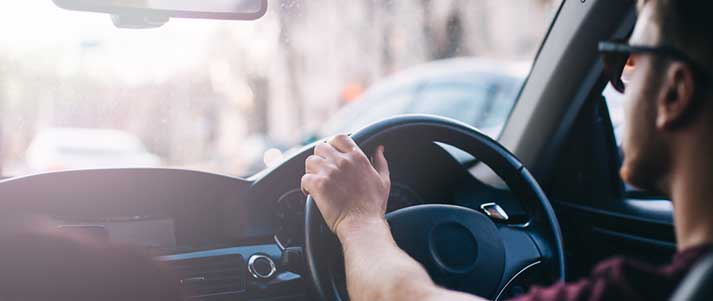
(559,292)
(623,279)
(614,279)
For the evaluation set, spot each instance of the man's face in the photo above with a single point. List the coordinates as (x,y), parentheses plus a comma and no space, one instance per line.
(645,153)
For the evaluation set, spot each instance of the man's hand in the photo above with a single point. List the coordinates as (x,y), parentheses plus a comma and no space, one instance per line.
(346,186)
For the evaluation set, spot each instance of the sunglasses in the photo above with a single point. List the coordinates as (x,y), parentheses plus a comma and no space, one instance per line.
(615,55)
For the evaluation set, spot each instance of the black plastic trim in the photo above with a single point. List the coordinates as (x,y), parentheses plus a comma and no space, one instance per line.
(592,85)
(629,237)
(628,210)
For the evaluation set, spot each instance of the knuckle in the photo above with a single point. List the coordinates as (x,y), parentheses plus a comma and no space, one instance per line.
(331,171)
(342,162)
(358,155)
(310,163)
(305,179)
(304,183)
(320,183)
(327,172)
(312,159)
(341,137)
(319,148)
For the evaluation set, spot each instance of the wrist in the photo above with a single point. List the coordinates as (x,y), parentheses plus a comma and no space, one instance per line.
(350,227)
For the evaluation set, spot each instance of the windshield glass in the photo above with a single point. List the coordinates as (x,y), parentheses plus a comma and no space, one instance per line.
(235,97)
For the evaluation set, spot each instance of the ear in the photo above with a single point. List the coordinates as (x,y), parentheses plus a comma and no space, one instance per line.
(675,101)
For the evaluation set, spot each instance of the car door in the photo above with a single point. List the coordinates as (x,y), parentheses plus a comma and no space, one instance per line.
(562,130)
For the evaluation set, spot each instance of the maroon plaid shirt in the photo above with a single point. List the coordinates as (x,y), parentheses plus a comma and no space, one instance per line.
(623,279)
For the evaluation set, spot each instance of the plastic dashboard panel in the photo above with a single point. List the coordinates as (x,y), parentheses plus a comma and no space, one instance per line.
(206,208)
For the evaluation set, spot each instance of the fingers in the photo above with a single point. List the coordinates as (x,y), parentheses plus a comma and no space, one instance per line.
(314,163)
(343,143)
(380,164)
(326,150)
(309,182)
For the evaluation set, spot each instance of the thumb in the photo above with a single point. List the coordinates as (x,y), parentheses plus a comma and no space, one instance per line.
(380,164)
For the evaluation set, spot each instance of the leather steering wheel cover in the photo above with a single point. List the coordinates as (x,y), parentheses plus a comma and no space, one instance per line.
(318,269)
(469,139)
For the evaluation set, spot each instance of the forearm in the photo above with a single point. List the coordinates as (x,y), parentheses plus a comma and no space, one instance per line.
(377,269)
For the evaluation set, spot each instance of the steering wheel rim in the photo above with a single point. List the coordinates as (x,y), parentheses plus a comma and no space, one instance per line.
(543,226)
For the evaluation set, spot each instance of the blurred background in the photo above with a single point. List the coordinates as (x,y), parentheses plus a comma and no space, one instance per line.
(235,97)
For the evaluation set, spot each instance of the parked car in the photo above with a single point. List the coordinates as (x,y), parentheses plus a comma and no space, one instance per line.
(479,92)
(77,148)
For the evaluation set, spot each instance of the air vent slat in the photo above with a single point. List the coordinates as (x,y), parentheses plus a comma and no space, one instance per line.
(211,275)
(209,271)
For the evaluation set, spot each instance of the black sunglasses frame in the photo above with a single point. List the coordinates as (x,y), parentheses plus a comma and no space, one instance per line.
(615,54)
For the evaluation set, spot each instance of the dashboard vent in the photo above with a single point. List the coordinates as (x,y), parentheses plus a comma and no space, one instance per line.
(211,275)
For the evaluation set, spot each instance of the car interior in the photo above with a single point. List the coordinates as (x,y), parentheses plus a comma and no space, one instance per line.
(543,203)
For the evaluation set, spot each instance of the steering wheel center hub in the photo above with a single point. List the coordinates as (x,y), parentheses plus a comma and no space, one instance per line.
(459,259)
(458,246)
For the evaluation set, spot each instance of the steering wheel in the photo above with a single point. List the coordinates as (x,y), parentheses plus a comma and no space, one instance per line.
(461,248)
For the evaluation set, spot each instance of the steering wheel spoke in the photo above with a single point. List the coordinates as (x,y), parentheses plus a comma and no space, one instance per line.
(522,255)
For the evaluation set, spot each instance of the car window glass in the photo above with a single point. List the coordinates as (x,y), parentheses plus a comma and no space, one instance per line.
(615,104)
(504,94)
(460,101)
(380,106)
(237,97)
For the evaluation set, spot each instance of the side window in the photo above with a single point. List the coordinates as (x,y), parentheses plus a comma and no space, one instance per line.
(615,103)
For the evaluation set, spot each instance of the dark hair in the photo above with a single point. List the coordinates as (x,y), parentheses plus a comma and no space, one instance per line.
(61,267)
(687,25)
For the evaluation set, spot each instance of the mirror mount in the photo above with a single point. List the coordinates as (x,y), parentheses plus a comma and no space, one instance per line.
(139,21)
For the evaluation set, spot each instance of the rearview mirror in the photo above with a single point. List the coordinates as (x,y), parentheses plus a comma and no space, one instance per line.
(154,13)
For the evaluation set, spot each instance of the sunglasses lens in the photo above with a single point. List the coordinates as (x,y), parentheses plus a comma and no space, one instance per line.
(613,67)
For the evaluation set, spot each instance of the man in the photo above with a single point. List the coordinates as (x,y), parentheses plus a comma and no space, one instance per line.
(668,148)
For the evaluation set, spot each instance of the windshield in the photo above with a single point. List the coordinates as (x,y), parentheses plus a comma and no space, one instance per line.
(236,97)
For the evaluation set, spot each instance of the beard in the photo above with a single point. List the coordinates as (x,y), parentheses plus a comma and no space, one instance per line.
(645,166)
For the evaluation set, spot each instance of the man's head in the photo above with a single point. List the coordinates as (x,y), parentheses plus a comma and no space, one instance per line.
(668,99)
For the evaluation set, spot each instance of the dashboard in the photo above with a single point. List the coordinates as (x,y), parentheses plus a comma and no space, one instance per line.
(156,235)
(229,238)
